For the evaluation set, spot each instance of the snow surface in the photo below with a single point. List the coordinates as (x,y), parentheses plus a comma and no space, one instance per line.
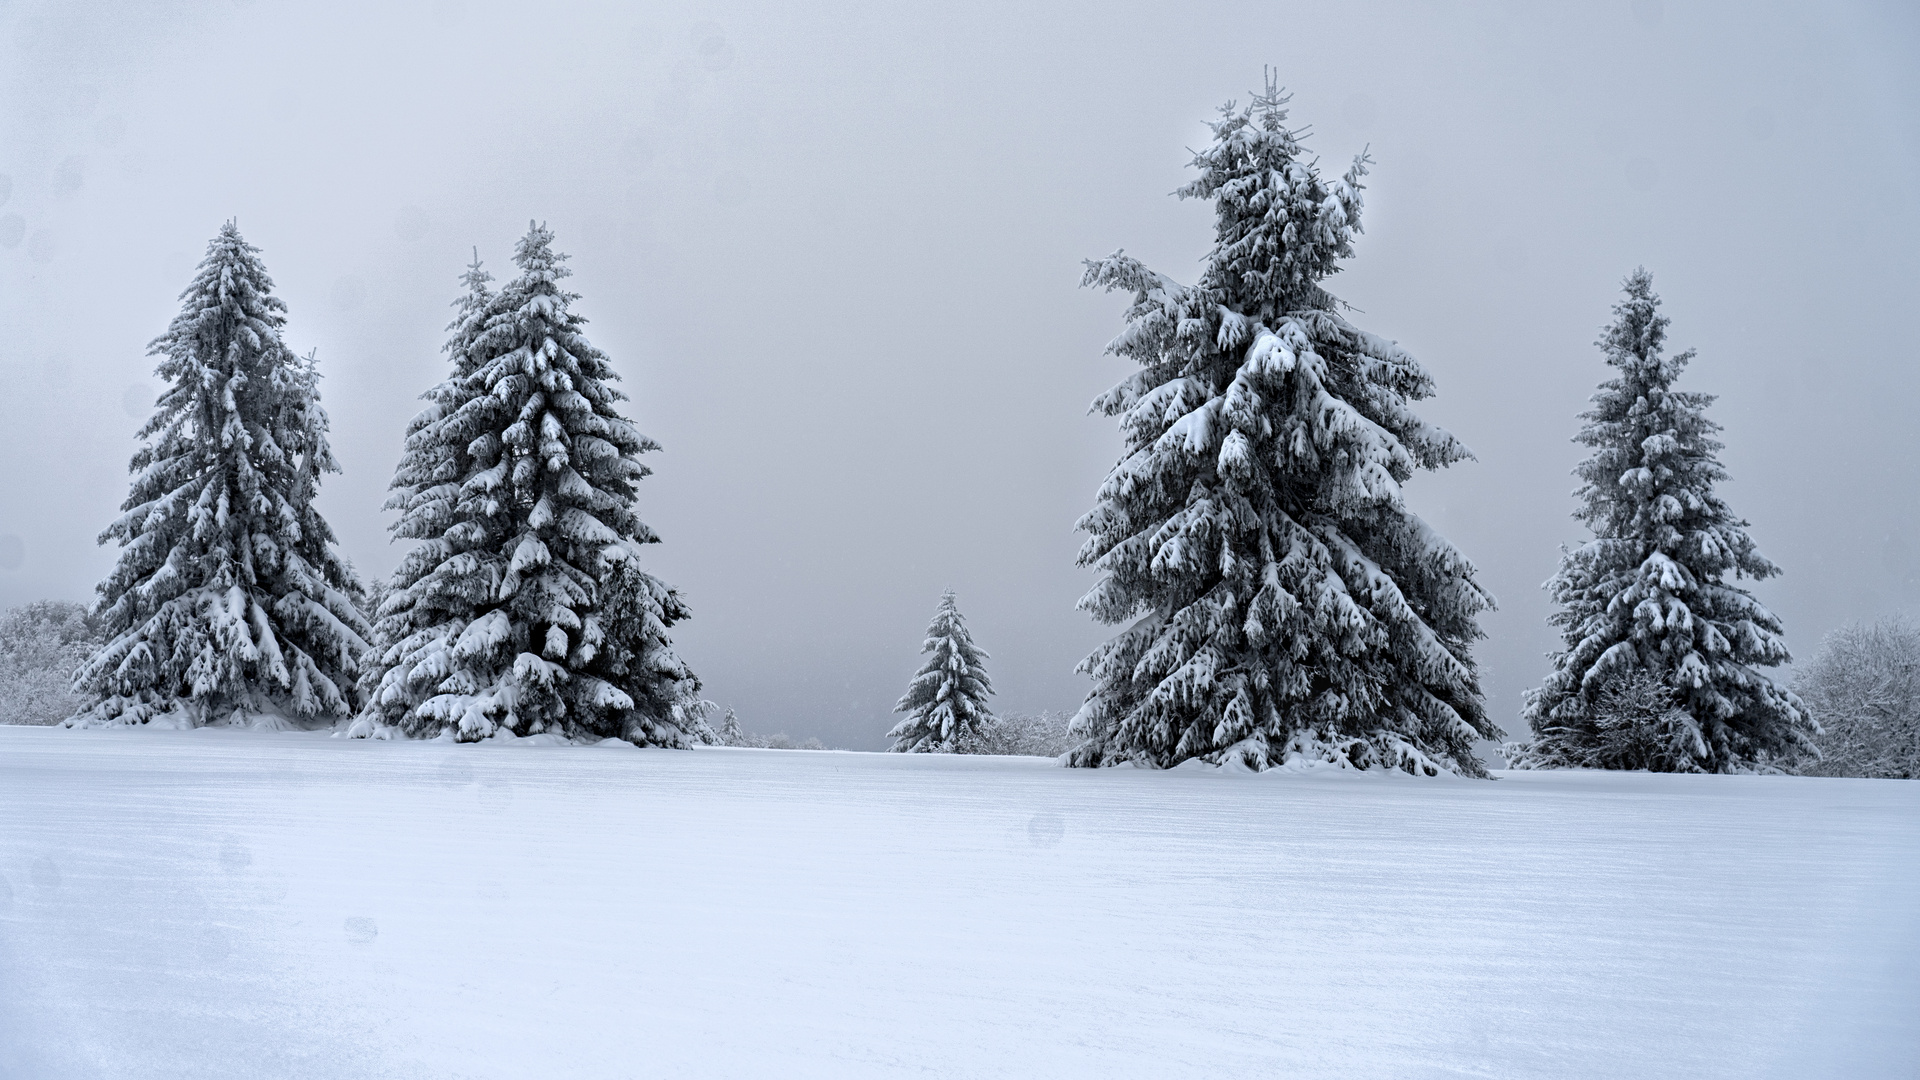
(222,903)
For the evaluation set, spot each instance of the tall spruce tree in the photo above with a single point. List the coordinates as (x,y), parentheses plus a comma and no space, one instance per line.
(1655,590)
(1284,603)
(946,703)
(525,608)
(229,603)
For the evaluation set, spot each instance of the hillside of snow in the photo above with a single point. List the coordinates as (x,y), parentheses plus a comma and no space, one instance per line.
(233,904)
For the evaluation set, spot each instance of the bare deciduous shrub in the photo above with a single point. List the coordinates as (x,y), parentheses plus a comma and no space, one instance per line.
(1864,689)
(40,646)
(1634,722)
(1041,734)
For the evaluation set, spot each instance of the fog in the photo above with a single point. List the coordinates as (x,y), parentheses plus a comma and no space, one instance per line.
(834,251)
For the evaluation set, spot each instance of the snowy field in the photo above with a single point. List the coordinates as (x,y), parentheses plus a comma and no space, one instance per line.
(229,904)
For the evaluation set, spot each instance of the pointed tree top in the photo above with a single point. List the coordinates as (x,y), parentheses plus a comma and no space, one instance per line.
(1280,227)
(948,618)
(1638,331)
(1271,104)
(476,277)
(229,245)
(230,278)
(228,241)
(476,280)
(535,256)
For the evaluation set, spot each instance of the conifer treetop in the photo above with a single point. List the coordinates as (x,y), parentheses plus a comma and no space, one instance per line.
(1653,468)
(424,485)
(559,391)
(1281,228)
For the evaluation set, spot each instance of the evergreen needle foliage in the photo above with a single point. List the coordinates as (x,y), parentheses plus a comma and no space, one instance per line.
(229,603)
(1284,603)
(524,607)
(946,703)
(1654,591)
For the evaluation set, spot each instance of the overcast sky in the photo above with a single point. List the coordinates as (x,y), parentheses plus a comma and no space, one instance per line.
(834,250)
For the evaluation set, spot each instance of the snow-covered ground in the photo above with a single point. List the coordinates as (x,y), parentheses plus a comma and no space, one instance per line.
(232,904)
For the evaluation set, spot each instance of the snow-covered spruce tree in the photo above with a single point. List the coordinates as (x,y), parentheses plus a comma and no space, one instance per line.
(428,602)
(1285,603)
(1654,589)
(946,703)
(730,733)
(528,610)
(637,656)
(229,604)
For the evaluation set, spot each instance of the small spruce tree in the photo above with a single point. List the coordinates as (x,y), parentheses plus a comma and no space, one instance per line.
(946,703)
(730,733)
(1284,603)
(525,609)
(636,655)
(229,603)
(1655,590)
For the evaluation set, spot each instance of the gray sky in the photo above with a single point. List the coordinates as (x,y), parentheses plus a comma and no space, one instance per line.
(834,250)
